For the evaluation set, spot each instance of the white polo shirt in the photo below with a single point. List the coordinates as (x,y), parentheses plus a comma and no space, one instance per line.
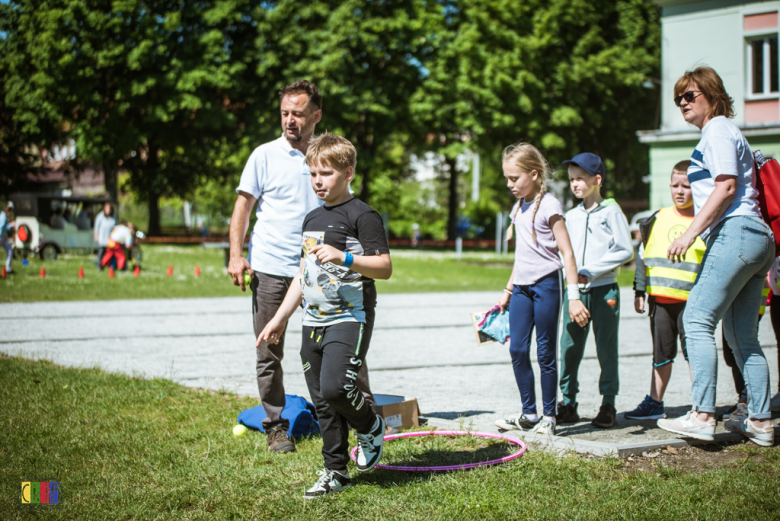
(278,176)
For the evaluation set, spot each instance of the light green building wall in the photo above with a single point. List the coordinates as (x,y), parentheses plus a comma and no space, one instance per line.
(663,156)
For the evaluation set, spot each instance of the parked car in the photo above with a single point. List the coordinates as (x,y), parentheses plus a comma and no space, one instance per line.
(49,224)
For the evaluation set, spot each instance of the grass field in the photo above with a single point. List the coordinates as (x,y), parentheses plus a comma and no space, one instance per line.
(413,271)
(129,448)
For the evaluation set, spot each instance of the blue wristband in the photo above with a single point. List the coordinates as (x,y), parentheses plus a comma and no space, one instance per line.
(348,259)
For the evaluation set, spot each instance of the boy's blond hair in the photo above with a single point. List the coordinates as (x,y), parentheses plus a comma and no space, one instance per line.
(333,150)
(681,168)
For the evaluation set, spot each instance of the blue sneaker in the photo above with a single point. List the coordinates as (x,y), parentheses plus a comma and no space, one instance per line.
(649,409)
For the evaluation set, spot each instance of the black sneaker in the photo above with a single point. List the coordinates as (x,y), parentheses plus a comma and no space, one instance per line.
(567,413)
(279,442)
(370,446)
(605,419)
(329,483)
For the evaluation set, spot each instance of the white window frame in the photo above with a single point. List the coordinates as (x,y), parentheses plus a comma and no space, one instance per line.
(749,39)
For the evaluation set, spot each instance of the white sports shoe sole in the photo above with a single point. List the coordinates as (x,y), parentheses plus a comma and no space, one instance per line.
(696,435)
(767,440)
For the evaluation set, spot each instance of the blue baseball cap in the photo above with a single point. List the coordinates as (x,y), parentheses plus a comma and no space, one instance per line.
(590,163)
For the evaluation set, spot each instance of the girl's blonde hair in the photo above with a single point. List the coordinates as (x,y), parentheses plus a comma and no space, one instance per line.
(528,158)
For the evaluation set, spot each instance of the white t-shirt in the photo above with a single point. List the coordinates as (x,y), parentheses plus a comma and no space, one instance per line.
(723,150)
(277,174)
(121,234)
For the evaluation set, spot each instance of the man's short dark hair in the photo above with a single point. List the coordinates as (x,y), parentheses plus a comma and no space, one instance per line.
(303,86)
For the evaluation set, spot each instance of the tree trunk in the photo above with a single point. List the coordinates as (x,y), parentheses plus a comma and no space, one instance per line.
(152,171)
(110,181)
(154,215)
(452,206)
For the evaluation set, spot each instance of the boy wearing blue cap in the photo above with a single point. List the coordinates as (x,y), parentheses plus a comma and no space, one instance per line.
(601,243)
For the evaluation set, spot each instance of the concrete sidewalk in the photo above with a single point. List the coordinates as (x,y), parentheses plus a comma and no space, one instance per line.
(423,346)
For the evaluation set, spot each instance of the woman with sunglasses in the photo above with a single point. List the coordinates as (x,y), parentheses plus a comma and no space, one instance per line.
(740,251)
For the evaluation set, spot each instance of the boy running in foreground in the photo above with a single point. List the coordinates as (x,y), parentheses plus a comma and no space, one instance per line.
(344,249)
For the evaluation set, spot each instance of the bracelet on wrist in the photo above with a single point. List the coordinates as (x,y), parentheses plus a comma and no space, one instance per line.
(573,291)
(348,259)
(507,291)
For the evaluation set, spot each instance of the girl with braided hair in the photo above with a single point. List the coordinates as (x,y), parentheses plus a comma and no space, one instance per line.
(533,292)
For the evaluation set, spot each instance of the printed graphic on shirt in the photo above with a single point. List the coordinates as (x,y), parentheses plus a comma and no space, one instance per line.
(332,293)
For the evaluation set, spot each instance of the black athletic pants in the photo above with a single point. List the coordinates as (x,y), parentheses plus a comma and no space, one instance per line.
(332,357)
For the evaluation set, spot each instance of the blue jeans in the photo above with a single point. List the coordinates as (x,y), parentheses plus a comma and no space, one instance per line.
(536,306)
(740,251)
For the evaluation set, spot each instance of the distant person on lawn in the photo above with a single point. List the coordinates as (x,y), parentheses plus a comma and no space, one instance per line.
(6,223)
(104,223)
(277,178)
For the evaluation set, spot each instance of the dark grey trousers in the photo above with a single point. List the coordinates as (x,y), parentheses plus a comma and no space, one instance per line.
(268,292)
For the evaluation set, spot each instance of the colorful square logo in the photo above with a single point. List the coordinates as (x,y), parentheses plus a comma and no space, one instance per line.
(39,493)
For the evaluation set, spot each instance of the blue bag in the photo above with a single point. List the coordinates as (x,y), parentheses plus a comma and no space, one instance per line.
(496,325)
(301,414)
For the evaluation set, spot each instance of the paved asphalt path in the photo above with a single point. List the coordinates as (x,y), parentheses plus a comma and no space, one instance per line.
(423,346)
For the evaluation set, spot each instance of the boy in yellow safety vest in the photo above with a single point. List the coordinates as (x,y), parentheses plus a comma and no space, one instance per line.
(666,285)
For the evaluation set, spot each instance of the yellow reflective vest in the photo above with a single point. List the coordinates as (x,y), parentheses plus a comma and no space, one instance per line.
(665,278)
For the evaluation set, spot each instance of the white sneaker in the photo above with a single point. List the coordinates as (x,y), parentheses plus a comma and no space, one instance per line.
(329,483)
(370,446)
(690,426)
(545,426)
(516,423)
(774,403)
(760,436)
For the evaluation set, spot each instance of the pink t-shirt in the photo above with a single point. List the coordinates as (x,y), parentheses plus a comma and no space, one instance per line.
(534,260)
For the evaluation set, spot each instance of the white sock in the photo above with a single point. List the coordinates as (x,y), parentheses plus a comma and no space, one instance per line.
(532,417)
(552,419)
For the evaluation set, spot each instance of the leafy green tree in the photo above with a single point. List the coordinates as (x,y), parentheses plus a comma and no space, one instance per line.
(143,86)
(364,57)
(564,75)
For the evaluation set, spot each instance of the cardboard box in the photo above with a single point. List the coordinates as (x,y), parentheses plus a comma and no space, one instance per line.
(399,412)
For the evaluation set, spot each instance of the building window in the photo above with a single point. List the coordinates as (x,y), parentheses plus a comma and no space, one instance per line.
(762,65)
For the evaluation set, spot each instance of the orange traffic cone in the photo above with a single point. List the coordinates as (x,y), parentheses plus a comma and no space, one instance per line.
(197,270)
(110,272)
(2,273)
(81,272)
(43,272)
(137,270)
(170,270)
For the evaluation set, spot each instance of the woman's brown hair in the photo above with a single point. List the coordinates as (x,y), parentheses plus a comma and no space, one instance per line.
(711,86)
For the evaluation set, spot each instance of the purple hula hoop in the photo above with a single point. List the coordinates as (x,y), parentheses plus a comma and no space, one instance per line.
(450,467)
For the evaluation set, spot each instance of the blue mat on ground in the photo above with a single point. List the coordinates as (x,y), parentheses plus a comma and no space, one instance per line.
(300,413)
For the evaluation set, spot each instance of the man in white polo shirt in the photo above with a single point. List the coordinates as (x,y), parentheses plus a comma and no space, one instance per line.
(277,178)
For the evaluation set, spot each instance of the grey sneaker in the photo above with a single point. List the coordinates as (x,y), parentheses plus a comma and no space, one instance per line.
(517,423)
(764,437)
(370,446)
(545,426)
(739,413)
(329,483)
(690,426)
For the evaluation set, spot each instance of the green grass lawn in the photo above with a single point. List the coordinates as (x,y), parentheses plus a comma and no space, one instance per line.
(413,271)
(129,448)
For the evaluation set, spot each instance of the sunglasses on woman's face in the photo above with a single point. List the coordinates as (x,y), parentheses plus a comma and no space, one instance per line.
(688,96)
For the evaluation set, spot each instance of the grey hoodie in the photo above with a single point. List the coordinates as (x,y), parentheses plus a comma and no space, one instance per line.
(600,240)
